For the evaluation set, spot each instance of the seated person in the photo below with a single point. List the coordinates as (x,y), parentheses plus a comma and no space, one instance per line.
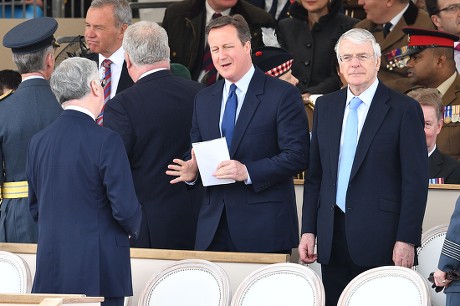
(443,169)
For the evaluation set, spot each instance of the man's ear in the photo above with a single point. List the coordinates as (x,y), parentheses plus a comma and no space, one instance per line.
(96,88)
(436,22)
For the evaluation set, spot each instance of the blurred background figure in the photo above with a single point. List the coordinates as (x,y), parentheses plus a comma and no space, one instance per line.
(310,35)
(9,81)
(443,169)
(22,9)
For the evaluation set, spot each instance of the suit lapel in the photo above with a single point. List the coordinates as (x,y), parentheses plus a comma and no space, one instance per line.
(251,102)
(374,119)
(213,107)
(335,111)
(435,161)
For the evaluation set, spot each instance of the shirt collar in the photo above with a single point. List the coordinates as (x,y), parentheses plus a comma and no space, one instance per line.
(80,109)
(150,72)
(117,58)
(444,87)
(210,11)
(33,77)
(365,96)
(243,83)
(394,21)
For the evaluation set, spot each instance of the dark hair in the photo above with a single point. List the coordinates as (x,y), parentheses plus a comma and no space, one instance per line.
(241,26)
(431,7)
(9,79)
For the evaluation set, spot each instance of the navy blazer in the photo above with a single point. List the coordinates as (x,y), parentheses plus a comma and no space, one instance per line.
(271,138)
(444,166)
(154,118)
(82,196)
(388,186)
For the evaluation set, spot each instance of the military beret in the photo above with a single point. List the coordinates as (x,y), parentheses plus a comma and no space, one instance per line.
(273,61)
(31,35)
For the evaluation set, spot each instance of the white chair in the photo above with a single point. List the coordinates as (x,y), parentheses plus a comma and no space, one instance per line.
(280,284)
(191,282)
(383,286)
(428,257)
(15,274)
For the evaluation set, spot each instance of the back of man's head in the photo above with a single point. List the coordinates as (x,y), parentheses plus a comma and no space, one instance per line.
(431,7)
(146,43)
(71,79)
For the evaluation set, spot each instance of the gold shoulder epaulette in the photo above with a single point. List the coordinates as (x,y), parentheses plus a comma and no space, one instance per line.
(6,94)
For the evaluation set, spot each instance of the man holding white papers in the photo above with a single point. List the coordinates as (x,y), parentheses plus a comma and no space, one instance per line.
(266,129)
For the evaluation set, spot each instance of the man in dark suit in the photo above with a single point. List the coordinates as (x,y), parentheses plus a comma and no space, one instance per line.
(31,108)
(106,23)
(266,130)
(185,23)
(154,118)
(385,20)
(443,169)
(366,188)
(81,194)
(449,260)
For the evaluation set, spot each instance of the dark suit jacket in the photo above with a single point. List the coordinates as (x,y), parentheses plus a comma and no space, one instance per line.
(32,107)
(396,78)
(271,139)
(284,11)
(154,118)
(185,23)
(444,166)
(388,186)
(81,195)
(125,79)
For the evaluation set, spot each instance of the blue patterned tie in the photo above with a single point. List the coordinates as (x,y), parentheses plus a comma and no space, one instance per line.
(350,137)
(228,119)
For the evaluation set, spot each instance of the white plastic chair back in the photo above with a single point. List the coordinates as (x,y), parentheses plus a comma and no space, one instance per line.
(191,282)
(428,257)
(15,274)
(385,286)
(280,284)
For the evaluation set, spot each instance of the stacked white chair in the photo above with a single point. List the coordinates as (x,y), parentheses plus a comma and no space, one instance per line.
(428,257)
(191,282)
(15,274)
(384,286)
(280,284)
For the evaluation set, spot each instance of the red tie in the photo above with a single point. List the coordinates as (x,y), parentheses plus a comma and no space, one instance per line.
(107,85)
(208,67)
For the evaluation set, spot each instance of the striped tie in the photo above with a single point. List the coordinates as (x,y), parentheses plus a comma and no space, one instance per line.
(107,85)
(208,67)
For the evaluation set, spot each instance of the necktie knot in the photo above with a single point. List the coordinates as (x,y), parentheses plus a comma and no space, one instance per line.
(386,28)
(216,15)
(106,63)
(355,103)
(232,89)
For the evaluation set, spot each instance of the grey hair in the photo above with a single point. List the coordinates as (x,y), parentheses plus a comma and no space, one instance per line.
(359,37)
(121,10)
(146,43)
(71,79)
(32,62)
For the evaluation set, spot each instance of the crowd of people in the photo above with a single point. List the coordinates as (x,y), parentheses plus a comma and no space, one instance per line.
(98,153)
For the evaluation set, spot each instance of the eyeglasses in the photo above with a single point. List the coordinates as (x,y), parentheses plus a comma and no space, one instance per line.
(453,8)
(362,57)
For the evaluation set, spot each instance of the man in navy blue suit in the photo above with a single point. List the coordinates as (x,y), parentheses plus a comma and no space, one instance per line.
(269,146)
(154,118)
(81,194)
(364,207)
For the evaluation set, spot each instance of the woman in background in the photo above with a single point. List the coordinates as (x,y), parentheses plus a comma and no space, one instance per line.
(310,35)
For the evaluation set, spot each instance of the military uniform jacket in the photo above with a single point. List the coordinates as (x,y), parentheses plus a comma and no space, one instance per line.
(28,110)
(184,22)
(448,141)
(413,17)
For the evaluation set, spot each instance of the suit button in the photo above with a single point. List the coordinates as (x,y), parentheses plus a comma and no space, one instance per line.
(306,63)
(309,45)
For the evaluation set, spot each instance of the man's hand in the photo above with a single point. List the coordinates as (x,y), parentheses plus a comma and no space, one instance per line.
(185,171)
(307,248)
(231,169)
(440,278)
(403,254)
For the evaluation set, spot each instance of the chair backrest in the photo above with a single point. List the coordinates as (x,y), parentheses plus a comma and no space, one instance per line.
(15,274)
(280,284)
(192,282)
(428,257)
(383,286)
